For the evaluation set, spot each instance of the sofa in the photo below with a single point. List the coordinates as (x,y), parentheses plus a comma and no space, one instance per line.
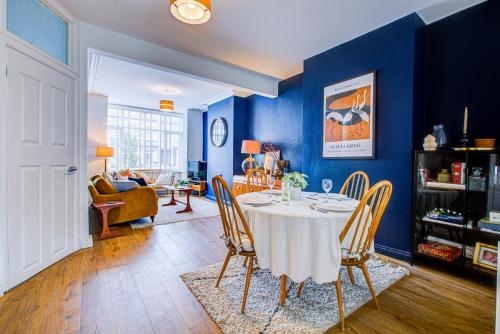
(139,202)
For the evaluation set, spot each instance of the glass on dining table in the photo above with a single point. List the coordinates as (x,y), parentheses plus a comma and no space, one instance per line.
(327,186)
(271,180)
(286,191)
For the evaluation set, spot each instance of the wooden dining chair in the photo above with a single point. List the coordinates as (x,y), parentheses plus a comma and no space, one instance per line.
(237,235)
(256,180)
(356,185)
(364,222)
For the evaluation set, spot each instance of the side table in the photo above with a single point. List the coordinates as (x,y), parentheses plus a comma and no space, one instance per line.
(104,208)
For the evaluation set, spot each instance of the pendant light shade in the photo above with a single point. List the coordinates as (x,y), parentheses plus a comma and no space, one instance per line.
(191,11)
(167,105)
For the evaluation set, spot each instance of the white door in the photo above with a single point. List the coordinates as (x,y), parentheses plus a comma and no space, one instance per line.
(41,189)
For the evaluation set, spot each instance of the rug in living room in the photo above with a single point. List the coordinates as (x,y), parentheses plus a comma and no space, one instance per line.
(202,208)
(315,311)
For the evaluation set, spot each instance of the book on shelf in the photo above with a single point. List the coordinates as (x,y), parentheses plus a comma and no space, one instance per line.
(440,251)
(488,226)
(441,185)
(437,221)
(469,250)
(458,173)
(445,215)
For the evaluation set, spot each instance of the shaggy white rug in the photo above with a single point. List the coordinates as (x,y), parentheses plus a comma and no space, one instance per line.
(314,312)
(202,208)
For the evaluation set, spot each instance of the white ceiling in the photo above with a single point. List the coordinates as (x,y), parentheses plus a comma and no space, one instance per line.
(268,36)
(130,84)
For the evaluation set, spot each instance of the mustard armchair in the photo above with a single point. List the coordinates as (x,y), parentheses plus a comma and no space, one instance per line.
(139,202)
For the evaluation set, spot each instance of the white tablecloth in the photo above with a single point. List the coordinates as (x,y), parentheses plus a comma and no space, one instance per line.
(297,241)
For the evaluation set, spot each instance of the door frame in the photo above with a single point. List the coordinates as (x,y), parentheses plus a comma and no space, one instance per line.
(71,70)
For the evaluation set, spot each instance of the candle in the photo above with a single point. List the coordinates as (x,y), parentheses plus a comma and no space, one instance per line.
(466,115)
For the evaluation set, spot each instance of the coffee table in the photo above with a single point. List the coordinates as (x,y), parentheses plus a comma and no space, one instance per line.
(173,201)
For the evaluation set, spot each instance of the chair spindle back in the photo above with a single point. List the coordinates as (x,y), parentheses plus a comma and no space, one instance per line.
(256,180)
(356,185)
(366,218)
(233,220)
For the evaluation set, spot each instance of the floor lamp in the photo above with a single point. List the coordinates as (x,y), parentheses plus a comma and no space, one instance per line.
(104,152)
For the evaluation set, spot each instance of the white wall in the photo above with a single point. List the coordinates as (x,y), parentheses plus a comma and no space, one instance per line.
(194,134)
(96,129)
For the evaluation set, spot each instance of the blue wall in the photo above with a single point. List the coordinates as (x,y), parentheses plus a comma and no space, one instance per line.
(220,159)
(279,120)
(225,160)
(205,135)
(463,69)
(391,51)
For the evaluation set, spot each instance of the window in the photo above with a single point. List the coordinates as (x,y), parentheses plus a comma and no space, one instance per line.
(144,139)
(38,25)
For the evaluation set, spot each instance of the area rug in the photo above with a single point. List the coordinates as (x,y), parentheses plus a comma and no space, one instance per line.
(315,311)
(202,208)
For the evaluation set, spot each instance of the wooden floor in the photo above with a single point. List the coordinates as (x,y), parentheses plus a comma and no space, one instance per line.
(131,284)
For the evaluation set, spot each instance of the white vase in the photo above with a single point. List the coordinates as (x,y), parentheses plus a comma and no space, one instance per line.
(296,194)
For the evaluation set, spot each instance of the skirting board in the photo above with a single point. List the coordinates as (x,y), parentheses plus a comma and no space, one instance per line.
(393,252)
(86,242)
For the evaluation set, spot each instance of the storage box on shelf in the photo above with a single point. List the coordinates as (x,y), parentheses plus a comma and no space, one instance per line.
(452,215)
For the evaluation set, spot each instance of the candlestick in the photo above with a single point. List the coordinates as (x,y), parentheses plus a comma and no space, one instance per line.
(466,116)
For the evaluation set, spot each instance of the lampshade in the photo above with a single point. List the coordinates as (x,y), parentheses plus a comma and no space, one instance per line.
(104,151)
(250,147)
(191,11)
(167,105)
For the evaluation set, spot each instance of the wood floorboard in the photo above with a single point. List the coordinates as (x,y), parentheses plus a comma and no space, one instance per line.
(131,284)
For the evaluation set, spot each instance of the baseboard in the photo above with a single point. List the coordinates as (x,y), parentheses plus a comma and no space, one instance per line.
(86,242)
(393,252)
(210,197)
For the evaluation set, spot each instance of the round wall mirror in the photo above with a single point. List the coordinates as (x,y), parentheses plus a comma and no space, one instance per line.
(218,132)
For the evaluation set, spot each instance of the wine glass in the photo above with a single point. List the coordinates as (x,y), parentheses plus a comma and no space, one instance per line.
(327,186)
(271,180)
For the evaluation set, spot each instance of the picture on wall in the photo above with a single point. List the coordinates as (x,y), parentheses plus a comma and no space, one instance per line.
(349,119)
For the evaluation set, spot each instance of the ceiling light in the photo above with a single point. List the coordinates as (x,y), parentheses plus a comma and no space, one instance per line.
(191,11)
(166,90)
(166,105)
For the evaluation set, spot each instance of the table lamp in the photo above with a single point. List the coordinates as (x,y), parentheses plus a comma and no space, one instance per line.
(104,152)
(249,147)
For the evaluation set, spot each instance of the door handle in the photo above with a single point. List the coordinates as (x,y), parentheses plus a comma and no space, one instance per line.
(72,169)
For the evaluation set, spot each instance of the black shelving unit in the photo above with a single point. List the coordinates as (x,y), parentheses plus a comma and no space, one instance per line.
(473,202)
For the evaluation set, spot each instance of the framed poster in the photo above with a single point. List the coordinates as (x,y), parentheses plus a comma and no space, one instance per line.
(349,119)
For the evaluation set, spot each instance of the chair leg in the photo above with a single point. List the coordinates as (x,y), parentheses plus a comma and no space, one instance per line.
(351,275)
(369,282)
(247,285)
(299,290)
(226,261)
(341,303)
(245,262)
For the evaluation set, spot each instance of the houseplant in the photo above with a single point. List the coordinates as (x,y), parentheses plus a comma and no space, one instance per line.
(299,183)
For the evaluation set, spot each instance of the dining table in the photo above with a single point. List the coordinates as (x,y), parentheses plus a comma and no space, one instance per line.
(298,240)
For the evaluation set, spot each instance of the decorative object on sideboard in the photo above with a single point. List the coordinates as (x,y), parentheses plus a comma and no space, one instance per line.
(218,132)
(439,132)
(458,172)
(272,154)
(444,176)
(430,143)
(249,147)
(465,139)
(104,152)
(486,256)
(281,168)
(299,183)
(349,118)
(487,143)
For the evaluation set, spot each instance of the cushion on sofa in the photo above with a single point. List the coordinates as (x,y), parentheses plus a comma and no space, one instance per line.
(142,175)
(139,181)
(164,178)
(124,185)
(104,187)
